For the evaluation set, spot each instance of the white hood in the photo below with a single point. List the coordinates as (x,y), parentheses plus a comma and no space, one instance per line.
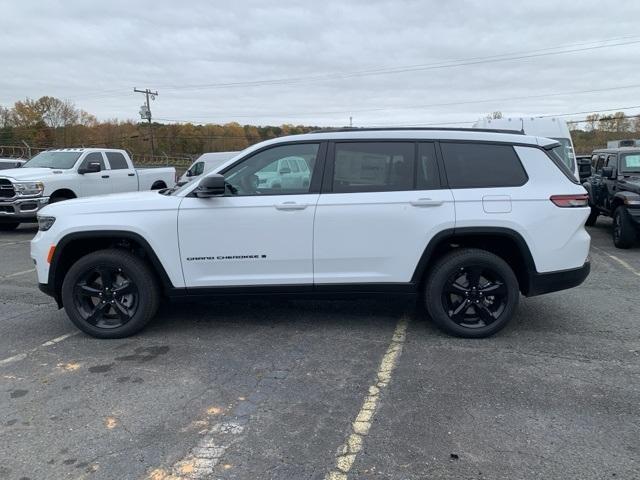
(34,174)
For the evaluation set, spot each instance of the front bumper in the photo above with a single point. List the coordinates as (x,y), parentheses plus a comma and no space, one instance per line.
(540,283)
(21,209)
(634,213)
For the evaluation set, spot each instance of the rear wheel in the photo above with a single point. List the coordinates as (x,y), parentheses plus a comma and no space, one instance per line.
(593,217)
(110,294)
(471,293)
(624,231)
(8,226)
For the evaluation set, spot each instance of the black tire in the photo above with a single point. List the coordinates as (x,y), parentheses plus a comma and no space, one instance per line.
(58,199)
(95,307)
(482,308)
(8,226)
(593,217)
(624,230)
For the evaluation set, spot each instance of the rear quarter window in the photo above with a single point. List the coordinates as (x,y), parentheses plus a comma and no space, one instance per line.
(478,165)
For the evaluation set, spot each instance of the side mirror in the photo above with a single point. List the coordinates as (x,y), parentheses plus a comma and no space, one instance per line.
(608,172)
(211,186)
(93,167)
(284,171)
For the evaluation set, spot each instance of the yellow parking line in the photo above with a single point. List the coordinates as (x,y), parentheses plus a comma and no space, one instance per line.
(347,453)
(619,260)
(16,274)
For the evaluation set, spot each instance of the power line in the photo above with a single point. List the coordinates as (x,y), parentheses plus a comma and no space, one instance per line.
(384,70)
(412,107)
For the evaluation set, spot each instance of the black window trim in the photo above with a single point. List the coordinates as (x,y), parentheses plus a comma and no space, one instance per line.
(488,142)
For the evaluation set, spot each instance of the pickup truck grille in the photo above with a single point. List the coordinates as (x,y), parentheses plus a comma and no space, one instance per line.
(6,189)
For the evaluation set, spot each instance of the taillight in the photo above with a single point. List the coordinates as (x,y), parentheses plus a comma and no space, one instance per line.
(570,201)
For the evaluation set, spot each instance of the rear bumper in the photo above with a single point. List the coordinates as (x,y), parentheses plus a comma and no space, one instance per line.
(22,210)
(540,283)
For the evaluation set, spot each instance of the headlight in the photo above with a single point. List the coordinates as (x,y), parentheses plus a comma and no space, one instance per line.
(45,223)
(29,188)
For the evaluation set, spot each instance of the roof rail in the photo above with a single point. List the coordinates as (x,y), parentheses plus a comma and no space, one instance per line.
(382,129)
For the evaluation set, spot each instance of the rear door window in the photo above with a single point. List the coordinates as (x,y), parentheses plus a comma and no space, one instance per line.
(117,161)
(373,167)
(479,165)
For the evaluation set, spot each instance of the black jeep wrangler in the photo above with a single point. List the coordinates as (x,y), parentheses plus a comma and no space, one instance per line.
(614,190)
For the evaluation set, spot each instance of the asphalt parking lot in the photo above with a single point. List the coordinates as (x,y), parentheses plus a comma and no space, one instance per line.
(297,389)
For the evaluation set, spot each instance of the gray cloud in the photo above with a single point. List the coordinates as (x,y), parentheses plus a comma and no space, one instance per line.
(94,53)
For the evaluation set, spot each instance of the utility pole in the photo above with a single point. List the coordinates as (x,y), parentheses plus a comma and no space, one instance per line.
(145,113)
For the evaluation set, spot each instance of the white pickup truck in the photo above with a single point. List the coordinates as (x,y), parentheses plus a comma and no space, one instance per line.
(56,175)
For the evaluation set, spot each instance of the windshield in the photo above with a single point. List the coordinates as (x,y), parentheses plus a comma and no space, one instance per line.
(630,163)
(63,160)
(565,152)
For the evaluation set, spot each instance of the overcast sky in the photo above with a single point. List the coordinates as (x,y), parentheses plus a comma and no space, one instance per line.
(319,62)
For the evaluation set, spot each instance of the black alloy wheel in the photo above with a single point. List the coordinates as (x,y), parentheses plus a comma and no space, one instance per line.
(110,293)
(106,297)
(474,296)
(471,293)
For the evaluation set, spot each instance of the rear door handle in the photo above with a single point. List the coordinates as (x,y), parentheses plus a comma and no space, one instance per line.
(105,176)
(291,206)
(426,202)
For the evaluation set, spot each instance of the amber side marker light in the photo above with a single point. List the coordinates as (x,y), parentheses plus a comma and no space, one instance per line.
(570,201)
(52,249)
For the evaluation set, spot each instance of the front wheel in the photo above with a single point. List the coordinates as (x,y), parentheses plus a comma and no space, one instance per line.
(624,231)
(110,294)
(471,293)
(8,226)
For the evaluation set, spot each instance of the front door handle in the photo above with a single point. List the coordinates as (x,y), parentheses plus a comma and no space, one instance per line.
(291,206)
(105,176)
(426,202)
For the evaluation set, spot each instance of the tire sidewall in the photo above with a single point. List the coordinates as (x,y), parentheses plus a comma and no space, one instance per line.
(446,267)
(135,269)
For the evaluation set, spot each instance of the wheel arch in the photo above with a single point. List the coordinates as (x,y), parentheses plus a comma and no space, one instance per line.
(76,245)
(64,193)
(507,243)
(158,185)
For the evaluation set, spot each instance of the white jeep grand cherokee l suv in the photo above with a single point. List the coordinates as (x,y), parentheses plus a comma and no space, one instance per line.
(466,219)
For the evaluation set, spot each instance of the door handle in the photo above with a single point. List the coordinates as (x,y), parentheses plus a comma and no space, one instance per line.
(426,202)
(291,206)
(131,174)
(105,176)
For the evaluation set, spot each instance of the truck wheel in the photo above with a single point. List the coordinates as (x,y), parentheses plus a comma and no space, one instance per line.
(471,293)
(110,294)
(8,226)
(593,217)
(624,232)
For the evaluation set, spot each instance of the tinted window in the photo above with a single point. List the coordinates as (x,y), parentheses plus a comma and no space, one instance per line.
(259,174)
(373,167)
(117,161)
(631,162)
(473,165)
(197,169)
(93,157)
(428,174)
